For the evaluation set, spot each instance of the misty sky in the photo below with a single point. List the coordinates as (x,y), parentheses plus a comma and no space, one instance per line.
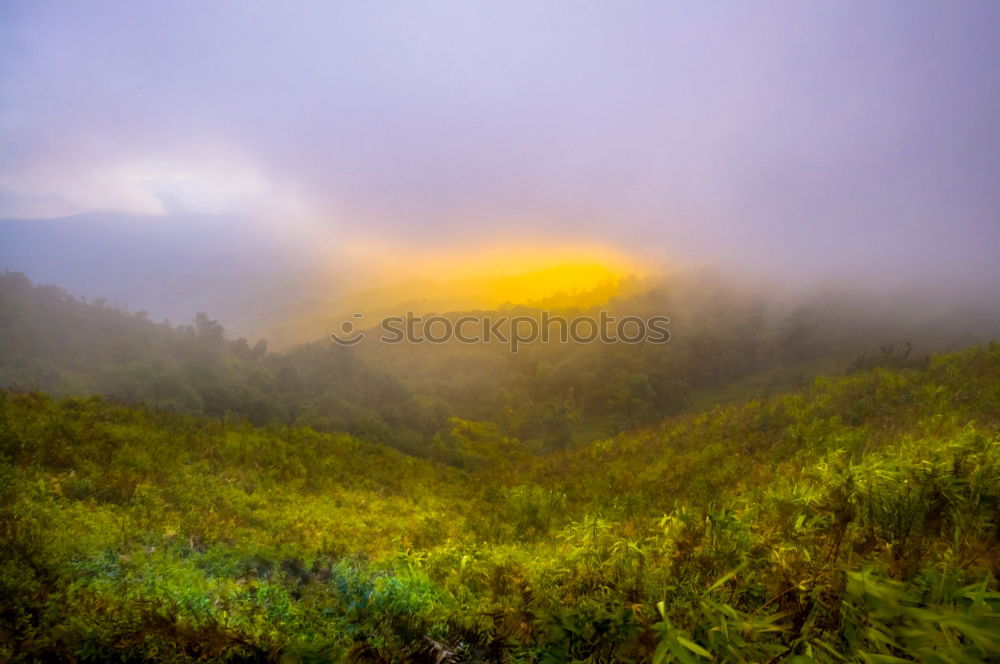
(835,137)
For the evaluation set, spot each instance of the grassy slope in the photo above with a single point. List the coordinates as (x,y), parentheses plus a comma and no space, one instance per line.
(859,516)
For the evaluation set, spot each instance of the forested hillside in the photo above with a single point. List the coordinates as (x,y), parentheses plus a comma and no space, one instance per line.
(725,346)
(54,342)
(854,520)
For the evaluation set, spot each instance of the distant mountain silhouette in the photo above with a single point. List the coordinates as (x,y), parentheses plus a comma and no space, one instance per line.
(171,266)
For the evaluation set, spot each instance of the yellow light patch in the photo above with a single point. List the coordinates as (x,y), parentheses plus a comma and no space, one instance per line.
(499,275)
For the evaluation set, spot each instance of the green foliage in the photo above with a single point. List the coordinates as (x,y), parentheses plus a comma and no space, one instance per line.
(53,342)
(855,521)
(548,397)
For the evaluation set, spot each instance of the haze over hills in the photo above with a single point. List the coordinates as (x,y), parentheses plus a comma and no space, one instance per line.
(261,288)
(559,286)
(171,266)
(726,343)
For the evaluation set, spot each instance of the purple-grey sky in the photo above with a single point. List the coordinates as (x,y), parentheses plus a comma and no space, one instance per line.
(800,137)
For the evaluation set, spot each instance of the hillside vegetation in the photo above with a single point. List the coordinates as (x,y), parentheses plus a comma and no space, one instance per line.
(853,521)
(725,346)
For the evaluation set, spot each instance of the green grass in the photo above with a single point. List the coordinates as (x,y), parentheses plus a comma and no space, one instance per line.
(853,521)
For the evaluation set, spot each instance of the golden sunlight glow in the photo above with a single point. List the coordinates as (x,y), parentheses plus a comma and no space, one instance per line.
(494,276)
(571,281)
